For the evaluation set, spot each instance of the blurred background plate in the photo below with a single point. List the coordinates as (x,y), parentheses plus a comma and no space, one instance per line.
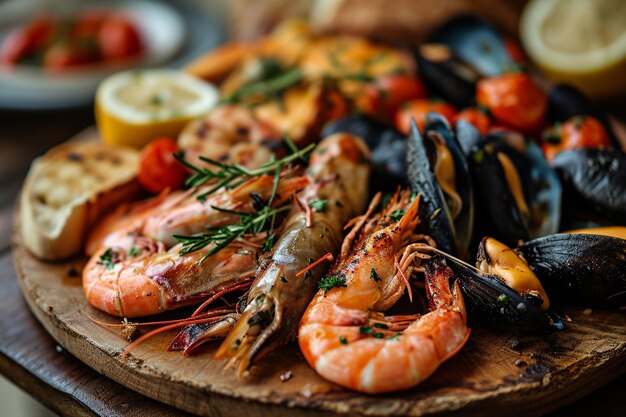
(174,33)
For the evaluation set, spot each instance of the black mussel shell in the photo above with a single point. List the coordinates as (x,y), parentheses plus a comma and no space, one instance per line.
(468,136)
(566,101)
(388,148)
(540,184)
(445,75)
(597,178)
(496,208)
(491,302)
(477,43)
(580,268)
(452,235)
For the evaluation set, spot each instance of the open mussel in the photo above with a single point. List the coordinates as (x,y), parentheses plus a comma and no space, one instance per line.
(586,268)
(502,291)
(388,148)
(518,196)
(457,55)
(445,75)
(438,171)
(477,43)
(595,179)
(500,200)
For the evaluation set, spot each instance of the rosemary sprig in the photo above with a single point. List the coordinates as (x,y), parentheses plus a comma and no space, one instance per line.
(227,174)
(221,237)
(271,88)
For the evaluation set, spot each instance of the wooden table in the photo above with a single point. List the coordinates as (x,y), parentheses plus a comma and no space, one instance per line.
(30,357)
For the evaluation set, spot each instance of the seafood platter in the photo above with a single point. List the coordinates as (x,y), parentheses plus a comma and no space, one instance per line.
(310,224)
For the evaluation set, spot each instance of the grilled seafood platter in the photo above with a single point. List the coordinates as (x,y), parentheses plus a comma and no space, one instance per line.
(370,204)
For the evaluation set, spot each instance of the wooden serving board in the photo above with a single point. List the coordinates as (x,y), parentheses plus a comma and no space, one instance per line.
(494,374)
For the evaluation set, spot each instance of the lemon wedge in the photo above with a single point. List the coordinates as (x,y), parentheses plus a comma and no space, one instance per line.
(135,107)
(581,42)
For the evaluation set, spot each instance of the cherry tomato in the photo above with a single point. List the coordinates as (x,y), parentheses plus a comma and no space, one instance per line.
(119,38)
(385,94)
(417,109)
(476,117)
(158,169)
(513,100)
(88,23)
(66,55)
(577,132)
(26,40)
(335,105)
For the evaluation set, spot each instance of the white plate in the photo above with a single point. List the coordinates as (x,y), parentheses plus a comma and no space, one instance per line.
(22,87)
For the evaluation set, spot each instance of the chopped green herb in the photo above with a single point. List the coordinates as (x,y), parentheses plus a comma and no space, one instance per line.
(503,299)
(343,340)
(134,251)
(107,260)
(381,325)
(366,330)
(318,205)
(394,336)
(397,215)
(283,279)
(268,243)
(379,335)
(331,282)
(243,252)
(374,275)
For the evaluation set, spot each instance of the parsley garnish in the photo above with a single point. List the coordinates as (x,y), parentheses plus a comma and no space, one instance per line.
(106,259)
(365,330)
(381,325)
(343,340)
(397,215)
(331,282)
(283,279)
(134,251)
(374,275)
(318,205)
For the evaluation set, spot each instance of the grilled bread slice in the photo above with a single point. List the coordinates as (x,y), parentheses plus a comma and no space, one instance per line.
(68,189)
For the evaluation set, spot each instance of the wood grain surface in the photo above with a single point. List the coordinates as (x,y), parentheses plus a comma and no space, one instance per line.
(494,373)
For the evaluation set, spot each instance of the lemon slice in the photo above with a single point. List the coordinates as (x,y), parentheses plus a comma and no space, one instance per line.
(582,42)
(134,107)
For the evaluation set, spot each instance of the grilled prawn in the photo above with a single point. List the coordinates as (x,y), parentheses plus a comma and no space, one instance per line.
(344,334)
(338,175)
(132,273)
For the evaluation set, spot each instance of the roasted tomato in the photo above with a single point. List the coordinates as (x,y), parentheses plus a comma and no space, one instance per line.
(26,40)
(513,100)
(476,116)
(119,38)
(88,24)
(417,109)
(383,96)
(158,169)
(574,133)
